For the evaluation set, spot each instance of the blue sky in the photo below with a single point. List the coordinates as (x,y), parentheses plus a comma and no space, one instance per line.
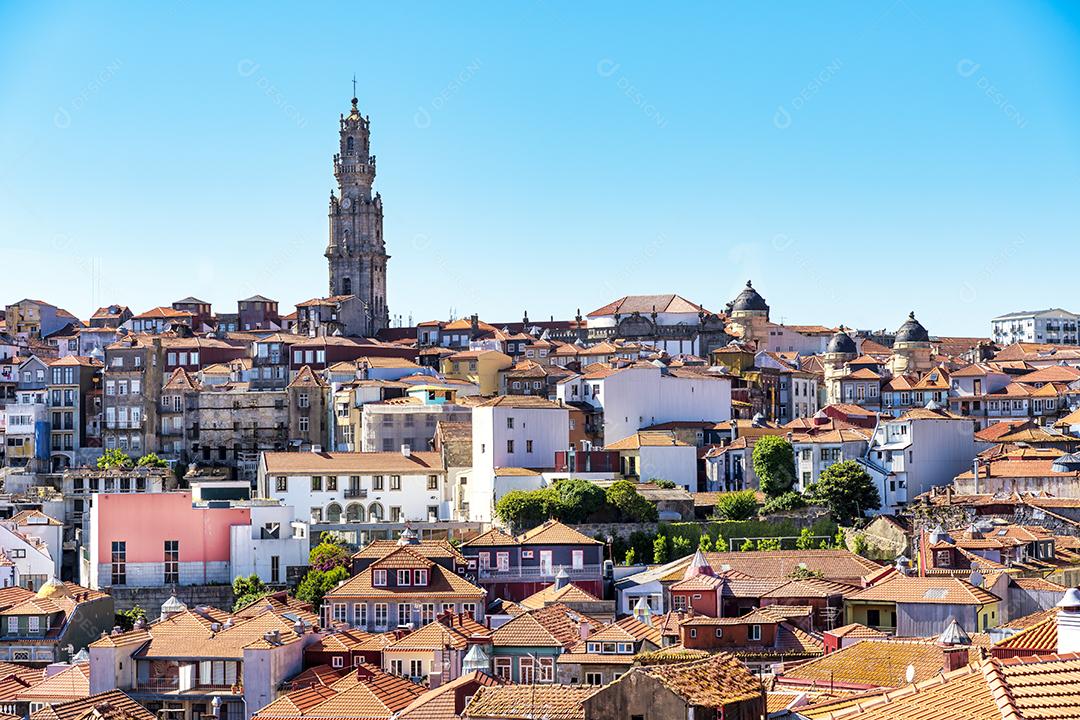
(857,160)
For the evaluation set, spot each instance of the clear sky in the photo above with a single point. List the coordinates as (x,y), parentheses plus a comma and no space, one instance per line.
(857,160)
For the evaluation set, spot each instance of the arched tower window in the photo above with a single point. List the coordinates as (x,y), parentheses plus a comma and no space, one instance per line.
(346,286)
(349,144)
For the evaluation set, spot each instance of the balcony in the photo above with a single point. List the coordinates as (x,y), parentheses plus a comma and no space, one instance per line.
(587,461)
(351,493)
(538,573)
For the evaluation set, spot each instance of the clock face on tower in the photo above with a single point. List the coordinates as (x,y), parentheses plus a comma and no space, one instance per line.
(346,203)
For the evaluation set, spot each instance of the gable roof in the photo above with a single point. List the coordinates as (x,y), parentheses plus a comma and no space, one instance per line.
(647,304)
(711,682)
(554,532)
(521,702)
(937,590)
(110,705)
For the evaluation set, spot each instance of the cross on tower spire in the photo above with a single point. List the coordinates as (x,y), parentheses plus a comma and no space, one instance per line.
(354,84)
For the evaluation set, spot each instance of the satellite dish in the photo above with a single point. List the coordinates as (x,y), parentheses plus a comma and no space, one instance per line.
(910,674)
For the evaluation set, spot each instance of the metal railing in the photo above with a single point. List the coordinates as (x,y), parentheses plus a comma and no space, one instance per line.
(493,573)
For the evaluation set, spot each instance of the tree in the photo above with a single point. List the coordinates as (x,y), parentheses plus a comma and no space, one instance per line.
(317,583)
(247,590)
(329,554)
(680,546)
(847,490)
(774,465)
(631,506)
(114,458)
(151,460)
(805,541)
(748,546)
(578,499)
(665,484)
(769,544)
(126,619)
(629,557)
(705,543)
(522,509)
(738,505)
(661,550)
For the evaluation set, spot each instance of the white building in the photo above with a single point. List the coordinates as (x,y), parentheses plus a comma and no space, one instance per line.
(514,437)
(803,339)
(657,455)
(1053,326)
(274,540)
(358,487)
(923,448)
(643,395)
(32,562)
(655,312)
(816,451)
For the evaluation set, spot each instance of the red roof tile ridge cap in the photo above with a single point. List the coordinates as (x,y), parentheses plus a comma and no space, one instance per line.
(999,689)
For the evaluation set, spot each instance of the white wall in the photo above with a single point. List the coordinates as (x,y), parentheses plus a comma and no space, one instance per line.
(677,463)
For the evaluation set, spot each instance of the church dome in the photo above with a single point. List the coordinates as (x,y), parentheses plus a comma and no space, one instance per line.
(912,331)
(749,300)
(841,343)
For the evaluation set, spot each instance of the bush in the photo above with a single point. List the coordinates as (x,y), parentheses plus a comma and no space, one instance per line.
(578,499)
(126,618)
(629,560)
(774,465)
(705,543)
(748,545)
(739,505)
(680,546)
(114,458)
(665,484)
(791,500)
(151,460)
(522,509)
(769,544)
(805,541)
(631,506)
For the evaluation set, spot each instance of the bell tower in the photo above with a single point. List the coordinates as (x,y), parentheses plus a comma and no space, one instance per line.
(356,252)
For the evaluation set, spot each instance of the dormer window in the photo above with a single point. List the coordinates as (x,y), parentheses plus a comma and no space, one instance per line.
(754,633)
(378,578)
(593,647)
(420,577)
(626,648)
(403,577)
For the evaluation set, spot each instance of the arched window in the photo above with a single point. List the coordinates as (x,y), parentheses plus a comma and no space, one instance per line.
(346,286)
(354,512)
(349,144)
(375,512)
(333,513)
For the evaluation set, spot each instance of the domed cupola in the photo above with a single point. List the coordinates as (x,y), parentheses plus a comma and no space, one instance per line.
(912,331)
(749,300)
(841,344)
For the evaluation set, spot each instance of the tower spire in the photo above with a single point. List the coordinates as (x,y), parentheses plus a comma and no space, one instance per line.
(354,88)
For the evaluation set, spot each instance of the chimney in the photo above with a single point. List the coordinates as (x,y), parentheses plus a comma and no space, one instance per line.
(584,629)
(975,473)
(406,451)
(954,644)
(1068,622)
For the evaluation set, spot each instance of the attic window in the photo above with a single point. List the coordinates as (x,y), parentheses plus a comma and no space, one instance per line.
(935,594)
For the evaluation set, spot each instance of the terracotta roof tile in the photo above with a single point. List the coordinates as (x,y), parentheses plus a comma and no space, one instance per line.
(520,702)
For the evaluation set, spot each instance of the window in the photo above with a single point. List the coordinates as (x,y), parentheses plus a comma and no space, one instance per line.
(404,614)
(304,423)
(528,446)
(503,561)
(427,613)
(403,577)
(678,602)
(432,482)
(594,678)
(172,561)
(395,514)
(119,563)
(420,577)
(395,482)
(339,612)
(377,482)
(547,669)
(360,614)
(378,578)
(577,559)
(275,568)
(509,423)
(719,632)
(302,400)
(416,668)
(281,484)
(469,608)
(509,446)
(13,625)
(331,483)
(336,661)
(754,633)
(525,670)
(380,614)
(502,667)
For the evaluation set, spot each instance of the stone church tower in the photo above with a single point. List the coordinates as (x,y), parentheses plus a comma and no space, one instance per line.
(357,252)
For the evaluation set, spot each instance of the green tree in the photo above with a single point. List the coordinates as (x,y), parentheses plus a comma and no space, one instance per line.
(847,490)
(578,499)
(247,590)
(748,546)
(317,583)
(738,505)
(126,619)
(114,458)
(665,484)
(523,509)
(629,557)
(151,460)
(680,546)
(769,544)
(329,554)
(806,540)
(705,543)
(774,465)
(631,506)
(661,549)
(859,544)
